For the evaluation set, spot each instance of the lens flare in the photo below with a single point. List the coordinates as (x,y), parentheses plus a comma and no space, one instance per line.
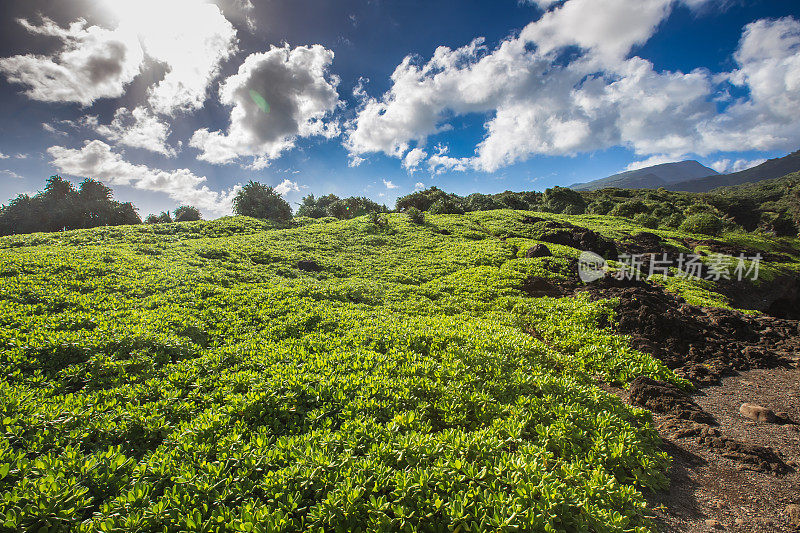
(259,101)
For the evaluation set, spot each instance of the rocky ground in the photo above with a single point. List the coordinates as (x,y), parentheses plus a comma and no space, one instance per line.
(735,438)
(713,488)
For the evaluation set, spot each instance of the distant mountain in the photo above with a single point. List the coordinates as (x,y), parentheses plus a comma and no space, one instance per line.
(653,177)
(774,168)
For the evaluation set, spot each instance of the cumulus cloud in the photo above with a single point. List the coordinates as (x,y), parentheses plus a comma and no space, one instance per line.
(276,97)
(138,129)
(192,50)
(97,160)
(418,186)
(608,28)
(413,159)
(440,162)
(726,166)
(92,63)
(4,156)
(287,186)
(567,84)
(657,159)
(190,38)
(49,128)
(389,184)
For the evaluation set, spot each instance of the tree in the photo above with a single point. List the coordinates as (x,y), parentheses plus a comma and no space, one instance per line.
(261,201)
(563,200)
(163,218)
(187,213)
(423,200)
(60,206)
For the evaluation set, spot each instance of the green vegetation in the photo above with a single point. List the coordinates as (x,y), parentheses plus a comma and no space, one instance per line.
(342,208)
(771,206)
(60,206)
(261,201)
(383,372)
(187,213)
(193,376)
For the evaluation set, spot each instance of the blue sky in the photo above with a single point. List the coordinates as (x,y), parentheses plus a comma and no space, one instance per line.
(180,102)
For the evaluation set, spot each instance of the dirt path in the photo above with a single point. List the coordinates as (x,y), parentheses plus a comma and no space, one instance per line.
(710,492)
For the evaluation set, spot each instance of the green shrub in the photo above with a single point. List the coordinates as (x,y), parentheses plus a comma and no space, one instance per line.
(629,209)
(563,200)
(415,216)
(674,220)
(261,201)
(600,207)
(648,221)
(446,206)
(705,223)
(187,213)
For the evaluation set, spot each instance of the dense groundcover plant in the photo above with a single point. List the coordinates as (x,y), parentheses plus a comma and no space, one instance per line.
(190,376)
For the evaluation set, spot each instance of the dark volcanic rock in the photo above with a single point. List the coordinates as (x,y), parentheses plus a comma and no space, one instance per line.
(663,397)
(538,250)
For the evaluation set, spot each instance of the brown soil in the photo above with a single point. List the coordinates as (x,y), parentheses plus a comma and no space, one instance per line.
(708,484)
(728,472)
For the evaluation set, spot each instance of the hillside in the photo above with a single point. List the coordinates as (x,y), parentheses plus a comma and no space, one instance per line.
(339,375)
(773,168)
(651,177)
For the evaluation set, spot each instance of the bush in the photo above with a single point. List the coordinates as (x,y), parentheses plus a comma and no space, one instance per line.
(261,201)
(378,219)
(422,200)
(629,209)
(705,223)
(600,207)
(415,216)
(162,218)
(446,206)
(562,199)
(187,213)
(61,207)
(648,221)
(482,202)
(673,221)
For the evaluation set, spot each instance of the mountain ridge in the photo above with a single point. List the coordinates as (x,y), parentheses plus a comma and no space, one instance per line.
(652,177)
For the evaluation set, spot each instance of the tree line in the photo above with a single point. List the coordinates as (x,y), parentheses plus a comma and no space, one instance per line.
(772,205)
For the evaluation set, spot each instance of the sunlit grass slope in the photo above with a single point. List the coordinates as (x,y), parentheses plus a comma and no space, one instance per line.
(191,377)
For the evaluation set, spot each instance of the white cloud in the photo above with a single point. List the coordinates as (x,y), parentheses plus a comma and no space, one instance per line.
(413,159)
(3,156)
(49,128)
(96,159)
(608,28)
(93,63)
(276,97)
(287,186)
(390,185)
(12,174)
(657,159)
(440,162)
(21,156)
(137,129)
(418,186)
(566,85)
(355,161)
(726,166)
(192,38)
